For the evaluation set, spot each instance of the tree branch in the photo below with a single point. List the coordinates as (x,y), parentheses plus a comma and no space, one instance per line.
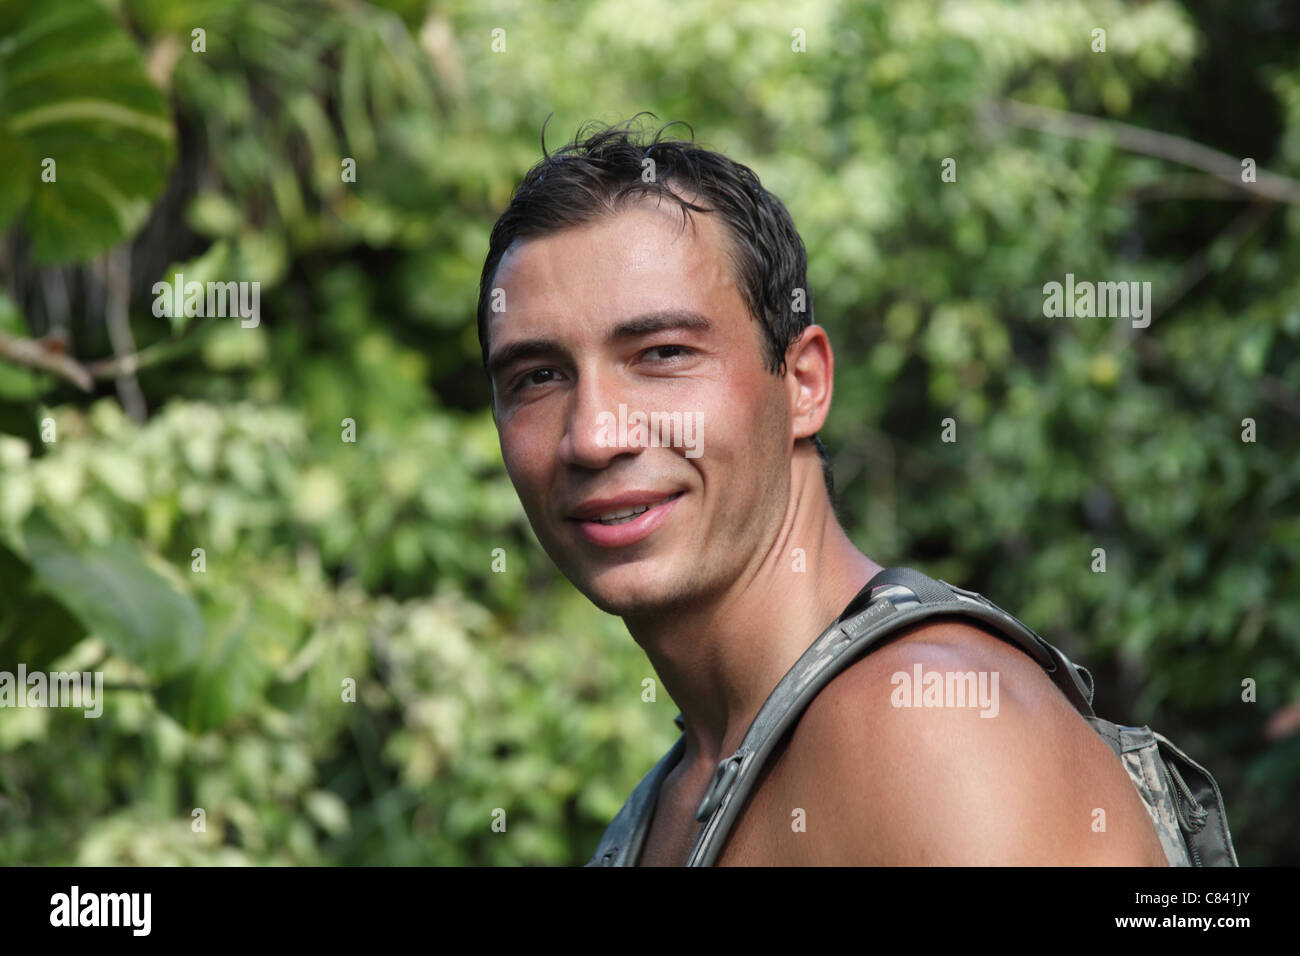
(32,354)
(117,275)
(1135,139)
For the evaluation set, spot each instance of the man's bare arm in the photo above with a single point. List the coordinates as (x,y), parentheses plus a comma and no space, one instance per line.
(886,784)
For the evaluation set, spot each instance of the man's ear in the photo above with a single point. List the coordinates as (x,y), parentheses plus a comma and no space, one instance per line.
(809,377)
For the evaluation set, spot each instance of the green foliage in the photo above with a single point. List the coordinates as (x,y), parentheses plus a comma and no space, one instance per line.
(452,702)
(326,561)
(73,93)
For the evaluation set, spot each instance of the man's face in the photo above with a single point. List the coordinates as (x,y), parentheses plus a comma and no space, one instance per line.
(603,309)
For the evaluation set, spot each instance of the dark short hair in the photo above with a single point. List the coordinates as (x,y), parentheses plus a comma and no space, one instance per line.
(600,172)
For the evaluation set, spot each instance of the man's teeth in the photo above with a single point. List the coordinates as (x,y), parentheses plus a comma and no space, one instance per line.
(620,517)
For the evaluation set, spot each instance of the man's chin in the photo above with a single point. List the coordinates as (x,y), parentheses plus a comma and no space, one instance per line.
(631,597)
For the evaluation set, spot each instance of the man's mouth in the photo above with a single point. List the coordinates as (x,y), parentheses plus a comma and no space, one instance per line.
(624,515)
(631,511)
(617,511)
(621,516)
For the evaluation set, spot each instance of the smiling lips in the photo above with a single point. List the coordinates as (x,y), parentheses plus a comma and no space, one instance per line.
(622,520)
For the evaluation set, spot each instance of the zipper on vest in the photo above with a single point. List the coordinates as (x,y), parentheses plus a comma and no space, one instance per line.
(1193,821)
(1198,814)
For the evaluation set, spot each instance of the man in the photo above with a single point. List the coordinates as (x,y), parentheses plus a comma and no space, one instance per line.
(633,276)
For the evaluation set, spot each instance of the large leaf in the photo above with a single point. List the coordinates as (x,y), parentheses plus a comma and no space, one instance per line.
(34,627)
(113,593)
(73,89)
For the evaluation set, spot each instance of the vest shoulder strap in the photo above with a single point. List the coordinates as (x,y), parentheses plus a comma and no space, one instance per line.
(621,843)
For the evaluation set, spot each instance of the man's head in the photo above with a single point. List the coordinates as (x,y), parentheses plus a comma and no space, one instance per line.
(597,293)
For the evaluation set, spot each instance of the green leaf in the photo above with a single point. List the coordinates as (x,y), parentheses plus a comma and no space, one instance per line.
(73,90)
(181,16)
(243,645)
(114,594)
(327,810)
(34,628)
(16,383)
(228,679)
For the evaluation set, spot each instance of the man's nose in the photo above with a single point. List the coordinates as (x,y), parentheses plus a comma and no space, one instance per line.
(591,432)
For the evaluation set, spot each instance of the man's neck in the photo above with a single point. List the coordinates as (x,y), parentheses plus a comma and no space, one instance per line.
(719,661)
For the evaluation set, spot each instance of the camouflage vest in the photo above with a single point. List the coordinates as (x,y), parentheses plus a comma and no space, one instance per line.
(1180,796)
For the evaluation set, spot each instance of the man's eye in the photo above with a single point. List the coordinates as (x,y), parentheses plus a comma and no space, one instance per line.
(528,379)
(674,352)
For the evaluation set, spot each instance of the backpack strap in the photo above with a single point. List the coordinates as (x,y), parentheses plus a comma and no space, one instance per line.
(894,599)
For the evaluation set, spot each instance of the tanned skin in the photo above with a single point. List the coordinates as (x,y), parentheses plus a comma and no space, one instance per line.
(711,595)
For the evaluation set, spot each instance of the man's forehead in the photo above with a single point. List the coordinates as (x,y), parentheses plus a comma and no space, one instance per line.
(644,258)
(642,235)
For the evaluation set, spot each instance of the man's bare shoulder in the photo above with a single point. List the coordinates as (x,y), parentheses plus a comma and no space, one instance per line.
(951,746)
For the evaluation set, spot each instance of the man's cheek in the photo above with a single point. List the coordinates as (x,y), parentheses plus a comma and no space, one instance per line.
(534,508)
(516,468)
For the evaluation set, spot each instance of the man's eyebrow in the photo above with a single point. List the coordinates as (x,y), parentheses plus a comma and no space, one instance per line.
(666,320)
(647,324)
(507,355)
